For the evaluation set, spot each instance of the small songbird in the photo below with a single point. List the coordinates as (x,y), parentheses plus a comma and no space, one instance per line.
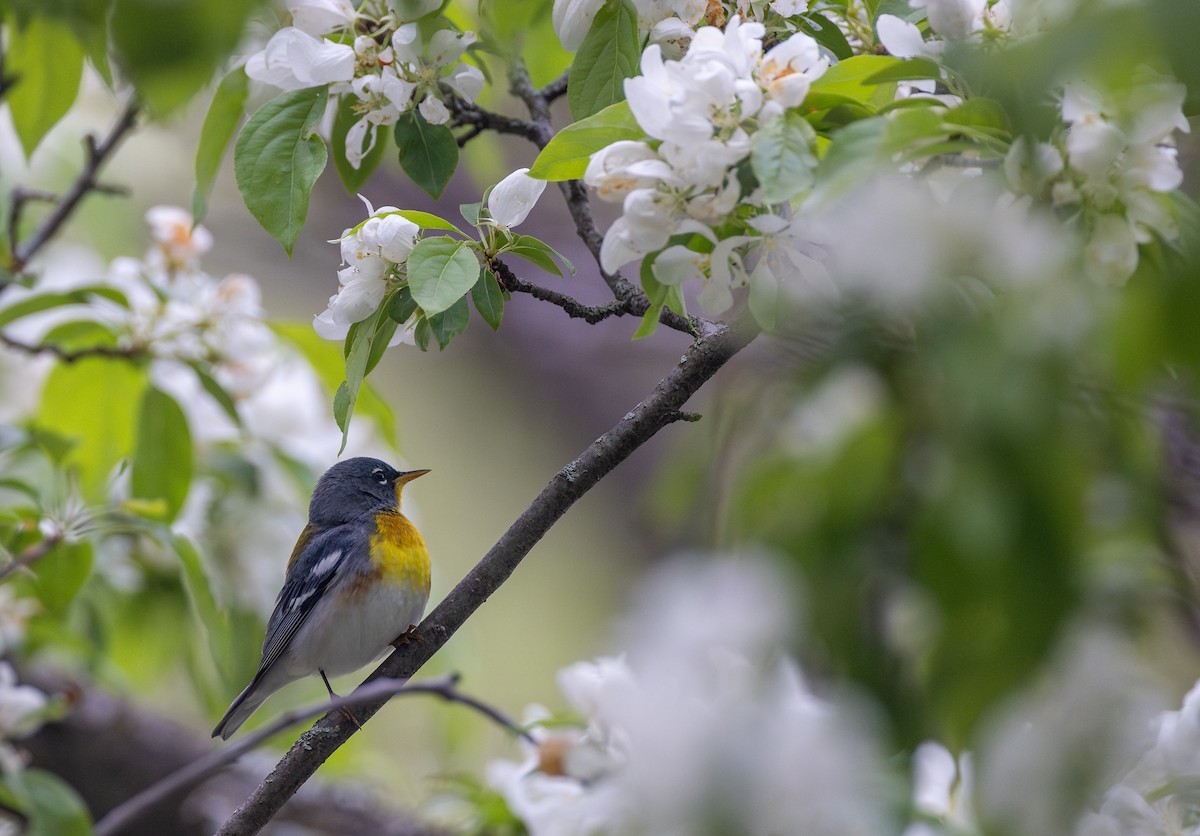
(357,580)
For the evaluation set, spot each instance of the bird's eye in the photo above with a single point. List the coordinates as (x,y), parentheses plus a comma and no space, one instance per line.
(383,480)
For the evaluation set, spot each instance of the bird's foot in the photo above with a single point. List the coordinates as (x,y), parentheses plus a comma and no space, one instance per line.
(409,635)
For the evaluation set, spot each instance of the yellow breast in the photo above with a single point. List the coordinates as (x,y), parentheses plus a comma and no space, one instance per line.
(398,552)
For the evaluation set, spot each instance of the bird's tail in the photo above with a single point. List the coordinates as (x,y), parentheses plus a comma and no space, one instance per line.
(247,703)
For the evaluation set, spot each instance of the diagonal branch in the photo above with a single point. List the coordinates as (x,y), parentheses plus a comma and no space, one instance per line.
(97,155)
(660,408)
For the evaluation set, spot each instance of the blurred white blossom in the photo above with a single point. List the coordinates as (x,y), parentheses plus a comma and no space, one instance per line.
(707,722)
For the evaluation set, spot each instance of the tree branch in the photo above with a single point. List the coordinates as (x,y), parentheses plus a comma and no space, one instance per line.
(30,555)
(555,88)
(464,113)
(661,407)
(573,307)
(70,356)
(381,690)
(97,155)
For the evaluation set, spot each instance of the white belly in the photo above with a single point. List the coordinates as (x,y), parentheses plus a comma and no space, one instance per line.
(358,636)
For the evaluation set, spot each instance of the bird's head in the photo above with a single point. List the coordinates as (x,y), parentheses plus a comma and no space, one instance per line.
(354,487)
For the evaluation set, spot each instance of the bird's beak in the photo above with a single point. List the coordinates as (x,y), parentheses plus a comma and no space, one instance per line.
(408,476)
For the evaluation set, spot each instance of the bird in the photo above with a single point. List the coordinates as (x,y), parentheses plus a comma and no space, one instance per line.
(356,583)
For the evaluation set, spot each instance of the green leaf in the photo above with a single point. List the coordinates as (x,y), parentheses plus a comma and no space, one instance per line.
(421,333)
(852,78)
(440,272)
(451,322)
(567,154)
(782,157)
(909,69)
(277,160)
(61,573)
(427,220)
(656,292)
(540,253)
(46,301)
(343,405)
(170,51)
(608,55)
(51,805)
(93,402)
(402,306)
(365,342)
(827,34)
(470,212)
(986,115)
(327,360)
(428,153)
(353,178)
(488,298)
(220,124)
(162,459)
(47,62)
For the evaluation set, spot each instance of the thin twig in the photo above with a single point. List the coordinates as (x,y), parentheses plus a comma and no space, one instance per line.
(31,554)
(701,361)
(97,154)
(555,88)
(72,355)
(580,208)
(572,306)
(194,773)
(464,113)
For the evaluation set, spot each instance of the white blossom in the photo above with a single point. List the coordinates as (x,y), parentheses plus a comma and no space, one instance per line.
(294,60)
(320,17)
(572,19)
(512,199)
(706,722)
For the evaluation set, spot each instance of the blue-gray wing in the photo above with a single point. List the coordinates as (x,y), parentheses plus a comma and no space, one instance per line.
(309,578)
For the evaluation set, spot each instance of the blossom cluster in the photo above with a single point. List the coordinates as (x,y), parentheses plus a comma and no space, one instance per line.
(1111,167)
(375,253)
(382,62)
(704,720)
(671,24)
(700,112)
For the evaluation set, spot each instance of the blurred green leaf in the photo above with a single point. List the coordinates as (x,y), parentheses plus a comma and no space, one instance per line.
(62,573)
(440,272)
(170,50)
(46,301)
(217,391)
(162,458)
(567,154)
(80,335)
(212,618)
(782,157)
(51,805)
(428,153)
(278,158)
(47,62)
(609,54)
(220,124)
(93,402)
